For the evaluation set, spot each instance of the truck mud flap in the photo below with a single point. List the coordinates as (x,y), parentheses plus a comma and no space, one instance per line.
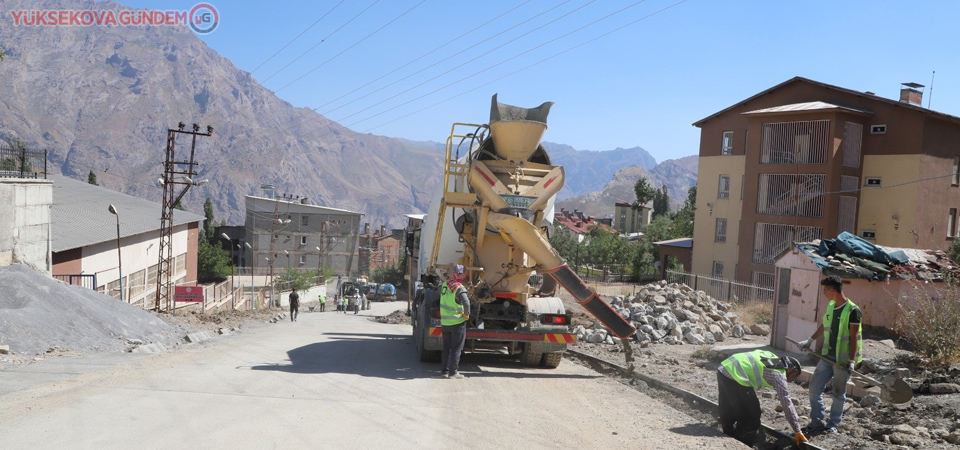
(519,336)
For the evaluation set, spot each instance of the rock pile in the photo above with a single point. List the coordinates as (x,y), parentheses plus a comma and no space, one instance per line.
(673,314)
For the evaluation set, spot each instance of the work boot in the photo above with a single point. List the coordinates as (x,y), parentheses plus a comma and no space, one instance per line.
(457,376)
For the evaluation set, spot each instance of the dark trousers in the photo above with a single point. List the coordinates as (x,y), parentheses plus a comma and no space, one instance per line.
(739,410)
(323,307)
(293,312)
(453,339)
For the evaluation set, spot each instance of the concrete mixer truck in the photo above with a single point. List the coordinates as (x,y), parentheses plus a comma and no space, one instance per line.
(493,214)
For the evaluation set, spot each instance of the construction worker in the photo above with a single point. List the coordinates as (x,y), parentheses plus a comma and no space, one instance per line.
(738,378)
(454,313)
(842,344)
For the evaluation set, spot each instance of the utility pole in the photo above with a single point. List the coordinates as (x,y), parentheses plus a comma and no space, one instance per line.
(322,248)
(171,168)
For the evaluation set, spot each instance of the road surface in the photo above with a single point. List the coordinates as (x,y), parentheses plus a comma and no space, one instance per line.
(327,381)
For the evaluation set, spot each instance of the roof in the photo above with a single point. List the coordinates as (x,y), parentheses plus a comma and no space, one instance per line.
(680,243)
(79,216)
(300,208)
(807,106)
(647,205)
(836,88)
(577,225)
(853,257)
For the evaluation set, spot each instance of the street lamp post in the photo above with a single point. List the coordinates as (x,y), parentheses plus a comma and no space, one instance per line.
(273,257)
(113,210)
(253,263)
(233,258)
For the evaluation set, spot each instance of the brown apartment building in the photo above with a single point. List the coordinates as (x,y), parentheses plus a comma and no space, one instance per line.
(805,160)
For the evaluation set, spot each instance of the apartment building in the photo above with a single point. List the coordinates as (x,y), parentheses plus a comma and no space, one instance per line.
(805,160)
(628,220)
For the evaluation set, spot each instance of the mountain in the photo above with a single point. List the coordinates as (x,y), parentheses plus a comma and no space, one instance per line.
(679,175)
(102,98)
(589,170)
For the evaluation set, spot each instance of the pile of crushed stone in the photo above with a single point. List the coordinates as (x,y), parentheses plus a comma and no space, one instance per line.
(38,313)
(394,317)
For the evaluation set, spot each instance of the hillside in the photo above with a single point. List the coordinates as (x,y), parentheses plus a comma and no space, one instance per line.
(102,98)
(589,170)
(677,174)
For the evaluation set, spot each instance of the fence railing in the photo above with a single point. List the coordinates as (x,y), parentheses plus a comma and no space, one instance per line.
(88,281)
(22,163)
(722,289)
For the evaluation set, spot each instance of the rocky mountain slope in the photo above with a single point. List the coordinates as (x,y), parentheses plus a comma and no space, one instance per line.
(589,171)
(677,174)
(102,98)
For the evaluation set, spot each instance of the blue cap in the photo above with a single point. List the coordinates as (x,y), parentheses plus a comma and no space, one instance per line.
(458,268)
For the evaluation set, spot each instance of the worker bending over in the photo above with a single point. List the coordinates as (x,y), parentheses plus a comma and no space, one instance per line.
(738,378)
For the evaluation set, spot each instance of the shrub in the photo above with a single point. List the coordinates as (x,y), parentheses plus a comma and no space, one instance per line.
(931,323)
(755,313)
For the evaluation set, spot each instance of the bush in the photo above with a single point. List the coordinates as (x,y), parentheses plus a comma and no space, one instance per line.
(932,324)
(290,279)
(755,313)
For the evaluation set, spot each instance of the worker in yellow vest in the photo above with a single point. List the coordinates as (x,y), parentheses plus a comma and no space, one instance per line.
(842,343)
(454,313)
(738,379)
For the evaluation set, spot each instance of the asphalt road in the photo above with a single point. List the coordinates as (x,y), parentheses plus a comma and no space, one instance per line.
(327,381)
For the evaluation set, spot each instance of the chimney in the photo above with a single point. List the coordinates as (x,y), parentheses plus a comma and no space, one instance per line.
(303,201)
(911,93)
(268,191)
(383,230)
(366,228)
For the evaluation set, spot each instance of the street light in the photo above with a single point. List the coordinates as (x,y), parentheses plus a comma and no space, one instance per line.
(233,257)
(253,263)
(273,262)
(113,210)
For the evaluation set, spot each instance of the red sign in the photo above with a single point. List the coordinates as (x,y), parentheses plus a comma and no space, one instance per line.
(188,294)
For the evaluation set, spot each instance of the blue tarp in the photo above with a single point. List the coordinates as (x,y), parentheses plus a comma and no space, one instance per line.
(853,245)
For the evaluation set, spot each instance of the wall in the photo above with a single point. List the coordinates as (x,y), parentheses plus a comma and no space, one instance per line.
(25,222)
(705,250)
(878,206)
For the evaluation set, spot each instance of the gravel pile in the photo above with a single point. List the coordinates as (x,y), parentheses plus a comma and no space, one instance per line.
(673,314)
(38,313)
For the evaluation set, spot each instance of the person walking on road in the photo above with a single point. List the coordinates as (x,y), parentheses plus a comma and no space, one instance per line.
(738,379)
(454,314)
(842,344)
(294,305)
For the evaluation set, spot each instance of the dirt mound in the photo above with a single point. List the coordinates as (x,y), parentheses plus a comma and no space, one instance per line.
(38,313)
(395,317)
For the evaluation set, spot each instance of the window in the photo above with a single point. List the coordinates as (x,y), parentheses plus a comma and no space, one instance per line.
(717,269)
(791,194)
(772,239)
(956,170)
(952,223)
(303,259)
(720,234)
(804,142)
(872,181)
(727,145)
(304,220)
(303,240)
(878,129)
(852,137)
(868,234)
(724,189)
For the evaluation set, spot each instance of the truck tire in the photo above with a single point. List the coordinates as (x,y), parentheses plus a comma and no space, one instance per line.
(530,358)
(551,360)
(419,335)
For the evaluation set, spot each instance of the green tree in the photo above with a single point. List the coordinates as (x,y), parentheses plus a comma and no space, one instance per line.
(213,263)
(92,178)
(562,241)
(683,220)
(644,192)
(661,202)
(208,221)
(290,279)
(3,54)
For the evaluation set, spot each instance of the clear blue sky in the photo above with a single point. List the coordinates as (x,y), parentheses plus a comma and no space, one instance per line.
(640,86)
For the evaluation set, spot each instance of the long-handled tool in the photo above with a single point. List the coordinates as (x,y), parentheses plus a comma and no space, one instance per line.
(896,392)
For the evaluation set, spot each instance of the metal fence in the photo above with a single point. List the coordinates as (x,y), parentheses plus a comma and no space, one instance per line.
(22,163)
(723,290)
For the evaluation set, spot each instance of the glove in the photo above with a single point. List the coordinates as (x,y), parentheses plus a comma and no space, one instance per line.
(806,345)
(799,438)
(849,367)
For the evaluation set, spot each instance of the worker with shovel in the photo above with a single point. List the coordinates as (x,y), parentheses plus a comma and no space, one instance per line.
(738,379)
(842,348)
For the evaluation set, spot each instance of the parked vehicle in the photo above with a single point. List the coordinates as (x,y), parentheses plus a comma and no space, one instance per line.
(383,292)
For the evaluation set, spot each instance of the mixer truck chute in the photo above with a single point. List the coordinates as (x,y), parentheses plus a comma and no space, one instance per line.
(493,215)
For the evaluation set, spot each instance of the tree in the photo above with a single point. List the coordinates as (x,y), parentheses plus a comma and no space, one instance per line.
(208,222)
(661,202)
(644,191)
(3,54)
(213,263)
(92,179)
(563,243)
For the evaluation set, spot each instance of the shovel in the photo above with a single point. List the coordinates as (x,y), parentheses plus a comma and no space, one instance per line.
(897,391)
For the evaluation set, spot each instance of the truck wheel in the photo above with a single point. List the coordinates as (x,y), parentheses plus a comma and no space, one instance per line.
(420,336)
(551,360)
(530,358)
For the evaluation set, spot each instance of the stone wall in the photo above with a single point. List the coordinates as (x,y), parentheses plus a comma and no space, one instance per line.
(25,222)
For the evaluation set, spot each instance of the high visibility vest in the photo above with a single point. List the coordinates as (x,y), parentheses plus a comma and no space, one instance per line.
(841,354)
(451,312)
(747,368)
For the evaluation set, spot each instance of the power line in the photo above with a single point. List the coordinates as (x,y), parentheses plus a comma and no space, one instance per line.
(352,46)
(321,41)
(298,37)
